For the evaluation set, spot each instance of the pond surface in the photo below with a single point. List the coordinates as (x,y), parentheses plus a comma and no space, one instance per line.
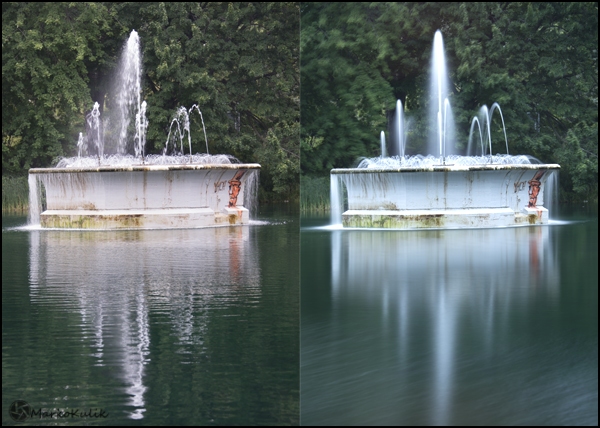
(488,326)
(167,327)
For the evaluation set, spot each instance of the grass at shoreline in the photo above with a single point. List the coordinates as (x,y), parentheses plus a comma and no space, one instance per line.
(314,194)
(15,195)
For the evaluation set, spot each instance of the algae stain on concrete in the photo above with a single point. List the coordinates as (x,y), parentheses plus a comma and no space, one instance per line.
(395,222)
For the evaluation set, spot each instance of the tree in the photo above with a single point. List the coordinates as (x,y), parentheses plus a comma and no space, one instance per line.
(49,51)
(537,60)
(237,61)
(540,62)
(344,94)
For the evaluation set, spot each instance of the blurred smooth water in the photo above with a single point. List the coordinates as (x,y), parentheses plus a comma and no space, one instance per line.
(456,327)
(190,327)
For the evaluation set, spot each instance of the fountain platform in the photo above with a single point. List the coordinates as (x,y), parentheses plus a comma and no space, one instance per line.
(146,196)
(445,196)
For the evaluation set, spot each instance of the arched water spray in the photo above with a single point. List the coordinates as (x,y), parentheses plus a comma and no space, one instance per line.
(181,117)
(203,128)
(485,116)
(174,121)
(494,107)
(475,120)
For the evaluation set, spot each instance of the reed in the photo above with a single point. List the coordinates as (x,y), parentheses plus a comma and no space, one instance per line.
(314,194)
(15,194)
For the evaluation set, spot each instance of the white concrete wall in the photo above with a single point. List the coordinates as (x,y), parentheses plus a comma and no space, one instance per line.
(150,188)
(443,189)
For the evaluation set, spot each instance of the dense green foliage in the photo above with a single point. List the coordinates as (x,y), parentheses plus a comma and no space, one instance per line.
(539,61)
(237,61)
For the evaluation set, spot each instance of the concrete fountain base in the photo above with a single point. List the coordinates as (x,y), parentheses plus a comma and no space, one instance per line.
(146,196)
(445,196)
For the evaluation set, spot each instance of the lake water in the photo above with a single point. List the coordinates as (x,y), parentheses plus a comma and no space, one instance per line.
(488,326)
(190,327)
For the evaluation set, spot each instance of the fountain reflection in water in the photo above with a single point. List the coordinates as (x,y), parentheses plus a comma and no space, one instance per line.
(418,324)
(111,287)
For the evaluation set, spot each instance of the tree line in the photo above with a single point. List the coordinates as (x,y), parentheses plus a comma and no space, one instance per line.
(538,60)
(239,62)
(254,67)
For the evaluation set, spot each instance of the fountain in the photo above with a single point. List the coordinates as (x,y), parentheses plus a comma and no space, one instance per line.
(137,190)
(441,190)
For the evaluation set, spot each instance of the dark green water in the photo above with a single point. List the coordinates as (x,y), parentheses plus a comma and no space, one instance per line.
(190,327)
(490,327)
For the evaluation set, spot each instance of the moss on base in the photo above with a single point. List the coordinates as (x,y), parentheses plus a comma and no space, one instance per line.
(395,222)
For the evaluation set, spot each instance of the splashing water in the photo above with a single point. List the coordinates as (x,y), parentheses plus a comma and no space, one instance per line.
(128,160)
(420,161)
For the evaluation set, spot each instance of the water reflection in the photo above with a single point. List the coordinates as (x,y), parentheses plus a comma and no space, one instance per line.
(114,281)
(411,310)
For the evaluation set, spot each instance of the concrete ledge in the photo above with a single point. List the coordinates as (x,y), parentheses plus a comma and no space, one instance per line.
(536,215)
(430,219)
(141,219)
(240,213)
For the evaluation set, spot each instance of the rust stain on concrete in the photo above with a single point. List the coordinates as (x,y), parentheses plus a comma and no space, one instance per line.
(234,188)
(534,188)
